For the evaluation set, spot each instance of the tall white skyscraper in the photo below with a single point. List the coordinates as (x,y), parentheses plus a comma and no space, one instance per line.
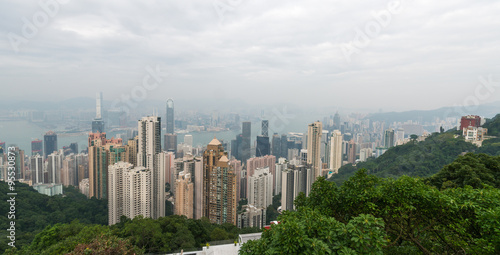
(129,192)
(260,186)
(314,133)
(335,151)
(149,148)
(54,166)
(37,167)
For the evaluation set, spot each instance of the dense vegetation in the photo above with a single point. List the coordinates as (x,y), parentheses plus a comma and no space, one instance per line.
(73,223)
(421,159)
(373,215)
(493,126)
(35,211)
(140,235)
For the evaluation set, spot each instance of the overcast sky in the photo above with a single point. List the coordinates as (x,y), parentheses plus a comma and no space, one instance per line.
(424,55)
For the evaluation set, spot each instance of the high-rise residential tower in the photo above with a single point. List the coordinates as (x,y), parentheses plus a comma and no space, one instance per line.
(219,185)
(314,134)
(335,151)
(149,146)
(389,138)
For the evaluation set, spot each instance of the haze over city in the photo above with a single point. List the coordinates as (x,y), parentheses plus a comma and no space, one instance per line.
(419,54)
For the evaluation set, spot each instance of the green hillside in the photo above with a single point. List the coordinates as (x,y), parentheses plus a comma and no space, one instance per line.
(421,159)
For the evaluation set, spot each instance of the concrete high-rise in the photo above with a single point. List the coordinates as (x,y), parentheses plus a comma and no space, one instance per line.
(193,166)
(129,192)
(351,152)
(389,138)
(261,162)
(170,116)
(246,141)
(314,134)
(170,141)
(98,123)
(336,151)
(37,169)
(284,146)
(184,195)
(149,146)
(260,186)
(99,159)
(54,166)
(219,185)
(49,143)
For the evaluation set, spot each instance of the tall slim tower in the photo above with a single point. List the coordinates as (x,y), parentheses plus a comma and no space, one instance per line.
(335,151)
(49,143)
(219,185)
(98,123)
(314,133)
(245,143)
(147,156)
(265,128)
(170,116)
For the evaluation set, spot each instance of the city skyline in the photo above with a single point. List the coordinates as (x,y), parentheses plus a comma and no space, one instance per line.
(414,52)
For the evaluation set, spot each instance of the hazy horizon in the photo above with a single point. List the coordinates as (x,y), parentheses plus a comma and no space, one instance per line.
(389,55)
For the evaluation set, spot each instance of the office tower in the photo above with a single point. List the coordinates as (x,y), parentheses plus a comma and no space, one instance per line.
(147,156)
(265,128)
(37,147)
(170,141)
(335,151)
(336,120)
(245,143)
(98,122)
(37,169)
(284,146)
(260,186)
(238,170)
(281,166)
(314,148)
(49,143)
(236,147)
(184,195)
(351,152)
(74,147)
(263,146)
(389,138)
(170,116)
(129,192)
(219,185)
(276,145)
(99,156)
